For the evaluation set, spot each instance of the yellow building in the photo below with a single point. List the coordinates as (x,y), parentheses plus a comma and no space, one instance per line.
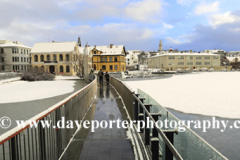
(55,57)
(109,58)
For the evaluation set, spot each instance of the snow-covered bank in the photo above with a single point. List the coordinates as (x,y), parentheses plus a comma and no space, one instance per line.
(212,94)
(21,91)
(66,77)
(9,80)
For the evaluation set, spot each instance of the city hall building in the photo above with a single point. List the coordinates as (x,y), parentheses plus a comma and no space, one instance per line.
(55,57)
(109,58)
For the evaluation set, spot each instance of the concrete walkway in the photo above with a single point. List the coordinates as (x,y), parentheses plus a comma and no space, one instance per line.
(103,144)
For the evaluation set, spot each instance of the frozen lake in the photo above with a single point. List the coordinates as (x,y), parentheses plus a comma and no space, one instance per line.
(207,93)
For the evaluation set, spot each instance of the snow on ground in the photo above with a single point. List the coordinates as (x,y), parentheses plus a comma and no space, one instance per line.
(21,91)
(66,77)
(212,94)
(4,81)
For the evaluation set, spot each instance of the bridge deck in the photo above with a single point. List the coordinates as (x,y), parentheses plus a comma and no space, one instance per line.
(103,144)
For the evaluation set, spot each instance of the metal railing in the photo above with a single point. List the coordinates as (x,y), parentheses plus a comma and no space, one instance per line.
(48,143)
(162,143)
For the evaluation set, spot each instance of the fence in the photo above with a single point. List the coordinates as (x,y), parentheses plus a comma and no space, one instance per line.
(47,143)
(4,76)
(165,143)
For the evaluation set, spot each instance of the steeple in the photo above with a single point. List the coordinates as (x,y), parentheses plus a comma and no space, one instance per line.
(79,42)
(160,46)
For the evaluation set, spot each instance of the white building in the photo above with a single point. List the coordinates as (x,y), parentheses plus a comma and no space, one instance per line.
(234,54)
(14,56)
(132,58)
(174,61)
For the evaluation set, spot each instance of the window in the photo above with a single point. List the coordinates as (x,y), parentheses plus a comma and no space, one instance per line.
(60,57)
(110,59)
(67,69)
(27,59)
(12,59)
(25,68)
(105,59)
(111,67)
(128,59)
(42,58)
(206,63)
(198,57)
(2,59)
(24,51)
(12,50)
(189,57)
(135,62)
(21,59)
(3,68)
(215,63)
(94,52)
(189,63)
(21,67)
(180,63)
(17,50)
(215,57)
(101,59)
(171,63)
(115,59)
(2,51)
(207,57)
(35,58)
(54,57)
(132,58)
(128,63)
(180,57)
(115,67)
(171,57)
(27,51)
(61,68)
(48,57)
(67,57)
(198,63)
(13,67)
(103,67)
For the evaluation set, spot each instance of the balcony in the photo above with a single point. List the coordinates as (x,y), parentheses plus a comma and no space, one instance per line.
(50,62)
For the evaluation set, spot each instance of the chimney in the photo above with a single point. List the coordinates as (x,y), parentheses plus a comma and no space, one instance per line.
(190,51)
(52,41)
(94,46)
(111,45)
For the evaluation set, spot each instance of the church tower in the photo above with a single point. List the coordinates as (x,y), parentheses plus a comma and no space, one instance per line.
(79,42)
(160,46)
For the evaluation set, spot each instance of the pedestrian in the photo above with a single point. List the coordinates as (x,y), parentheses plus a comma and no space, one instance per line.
(100,74)
(107,77)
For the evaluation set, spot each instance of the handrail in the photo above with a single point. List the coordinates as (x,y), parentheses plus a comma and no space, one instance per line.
(13,132)
(168,143)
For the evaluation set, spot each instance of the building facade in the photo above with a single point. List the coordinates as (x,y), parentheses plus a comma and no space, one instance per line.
(14,56)
(109,58)
(55,57)
(174,61)
(132,58)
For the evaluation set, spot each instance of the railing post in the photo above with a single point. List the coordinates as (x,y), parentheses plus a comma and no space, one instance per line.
(168,153)
(147,130)
(140,115)
(42,145)
(155,148)
(14,153)
(154,130)
(135,107)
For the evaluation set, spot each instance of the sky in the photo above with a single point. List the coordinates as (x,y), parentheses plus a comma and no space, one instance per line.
(138,24)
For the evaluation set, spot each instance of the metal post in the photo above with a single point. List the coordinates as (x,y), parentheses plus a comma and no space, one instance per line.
(168,153)
(155,148)
(154,130)
(147,130)
(13,148)
(42,144)
(135,107)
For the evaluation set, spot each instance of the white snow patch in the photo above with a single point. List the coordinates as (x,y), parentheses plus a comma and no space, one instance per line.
(211,94)
(66,77)
(9,80)
(21,91)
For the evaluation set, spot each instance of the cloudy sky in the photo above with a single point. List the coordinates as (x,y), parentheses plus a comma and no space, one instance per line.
(138,24)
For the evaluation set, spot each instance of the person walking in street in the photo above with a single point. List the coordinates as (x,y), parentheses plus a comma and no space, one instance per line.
(107,77)
(100,74)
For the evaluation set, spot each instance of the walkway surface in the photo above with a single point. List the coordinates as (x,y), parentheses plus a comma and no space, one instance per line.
(103,144)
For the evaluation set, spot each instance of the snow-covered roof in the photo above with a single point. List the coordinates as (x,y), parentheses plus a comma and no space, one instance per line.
(232,59)
(53,47)
(186,54)
(114,50)
(14,45)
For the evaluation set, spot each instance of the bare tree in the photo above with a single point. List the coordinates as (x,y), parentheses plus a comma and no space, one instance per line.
(78,64)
